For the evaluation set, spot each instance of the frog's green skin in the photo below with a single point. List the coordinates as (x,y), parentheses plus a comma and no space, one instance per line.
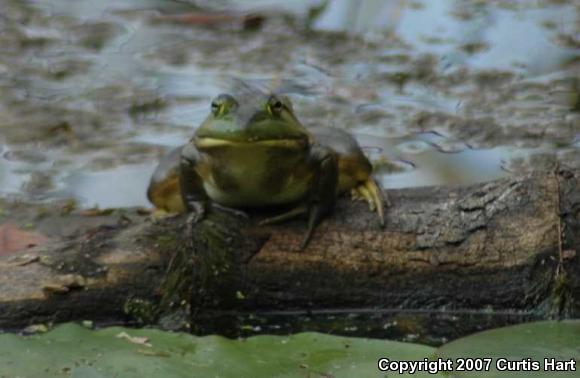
(251,151)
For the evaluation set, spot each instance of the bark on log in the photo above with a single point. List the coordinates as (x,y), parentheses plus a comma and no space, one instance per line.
(507,244)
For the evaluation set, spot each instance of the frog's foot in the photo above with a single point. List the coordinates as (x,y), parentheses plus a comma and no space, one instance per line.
(160,214)
(197,211)
(295,212)
(370,192)
(315,214)
(229,210)
(323,195)
(355,195)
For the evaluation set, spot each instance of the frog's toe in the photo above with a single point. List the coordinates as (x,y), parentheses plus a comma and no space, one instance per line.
(295,212)
(363,194)
(370,191)
(230,210)
(355,195)
(160,214)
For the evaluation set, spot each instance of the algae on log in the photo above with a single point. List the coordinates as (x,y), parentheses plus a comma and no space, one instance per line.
(507,244)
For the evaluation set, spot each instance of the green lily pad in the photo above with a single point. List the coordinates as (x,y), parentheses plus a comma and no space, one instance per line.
(74,351)
(530,344)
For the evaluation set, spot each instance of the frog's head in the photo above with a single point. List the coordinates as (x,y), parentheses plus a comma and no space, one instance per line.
(266,119)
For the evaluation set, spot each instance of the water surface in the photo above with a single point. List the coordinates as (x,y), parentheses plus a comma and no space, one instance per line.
(438,92)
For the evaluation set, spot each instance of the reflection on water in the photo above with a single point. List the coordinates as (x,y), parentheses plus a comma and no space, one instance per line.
(435,168)
(464,32)
(451,92)
(10,180)
(119,187)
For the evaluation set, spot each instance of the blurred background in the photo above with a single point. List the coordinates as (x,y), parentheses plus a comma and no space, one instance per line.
(439,92)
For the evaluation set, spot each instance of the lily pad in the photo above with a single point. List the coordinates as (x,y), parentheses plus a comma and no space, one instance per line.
(530,344)
(73,351)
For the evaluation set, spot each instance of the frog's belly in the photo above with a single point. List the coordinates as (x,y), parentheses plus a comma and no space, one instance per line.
(249,192)
(250,196)
(255,183)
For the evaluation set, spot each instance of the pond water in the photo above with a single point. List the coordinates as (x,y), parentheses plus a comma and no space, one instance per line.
(439,92)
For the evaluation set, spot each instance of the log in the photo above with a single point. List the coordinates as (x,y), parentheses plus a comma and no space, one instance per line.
(509,244)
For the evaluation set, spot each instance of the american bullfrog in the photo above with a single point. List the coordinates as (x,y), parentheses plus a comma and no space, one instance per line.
(251,151)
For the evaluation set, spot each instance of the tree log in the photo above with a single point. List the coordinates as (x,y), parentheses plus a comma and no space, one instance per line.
(507,244)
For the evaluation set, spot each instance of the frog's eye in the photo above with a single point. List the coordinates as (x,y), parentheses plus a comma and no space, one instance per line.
(222,104)
(215,107)
(275,105)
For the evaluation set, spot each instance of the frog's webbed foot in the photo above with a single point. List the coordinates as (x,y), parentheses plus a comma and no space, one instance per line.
(199,210)
(315,213)
(229,210)
(370,192)
(293,213)
(160,214)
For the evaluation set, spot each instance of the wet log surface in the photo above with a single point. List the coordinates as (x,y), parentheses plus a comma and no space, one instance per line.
(507,244)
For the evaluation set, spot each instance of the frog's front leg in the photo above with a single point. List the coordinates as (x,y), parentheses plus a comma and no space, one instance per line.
(194,196)
(324,190)
(193,193)
(322,195)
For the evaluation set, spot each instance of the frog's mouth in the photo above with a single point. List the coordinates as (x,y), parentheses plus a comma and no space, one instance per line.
(204,143)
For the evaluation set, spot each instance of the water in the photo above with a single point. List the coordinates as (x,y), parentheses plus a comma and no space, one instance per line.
(451,92)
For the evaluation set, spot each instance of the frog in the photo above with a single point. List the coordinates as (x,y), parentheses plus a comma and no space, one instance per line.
(251,151)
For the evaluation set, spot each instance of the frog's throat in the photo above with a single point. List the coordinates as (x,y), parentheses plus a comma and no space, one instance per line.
(204,143)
